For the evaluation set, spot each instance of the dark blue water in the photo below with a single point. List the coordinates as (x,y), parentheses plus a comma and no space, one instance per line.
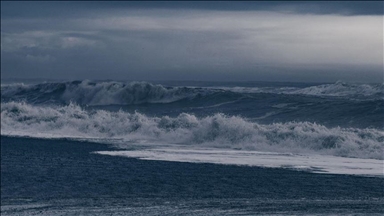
(339,119)
(61,176)
(337,104)
(55,176)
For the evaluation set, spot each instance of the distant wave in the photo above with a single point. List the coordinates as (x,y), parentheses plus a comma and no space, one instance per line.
(102,93)
(338,89)
(22,119)
(118,93)
(343,89)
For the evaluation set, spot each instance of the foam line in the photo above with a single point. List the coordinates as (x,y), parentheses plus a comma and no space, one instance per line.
(312,163)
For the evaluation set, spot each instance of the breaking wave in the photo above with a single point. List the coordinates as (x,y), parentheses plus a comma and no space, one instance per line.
(91,93)
(234,132)
(338,89)
(341,89)
(118,93)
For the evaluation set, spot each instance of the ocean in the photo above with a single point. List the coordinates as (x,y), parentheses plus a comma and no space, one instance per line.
(191,148)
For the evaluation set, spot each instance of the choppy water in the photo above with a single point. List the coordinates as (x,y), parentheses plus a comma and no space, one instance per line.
(337,119)
(299,129)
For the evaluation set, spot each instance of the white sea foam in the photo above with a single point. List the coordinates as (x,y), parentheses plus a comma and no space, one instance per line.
(342,89)
(219,131)
(309,162)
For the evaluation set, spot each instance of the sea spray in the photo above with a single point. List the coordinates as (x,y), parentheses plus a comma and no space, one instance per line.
(218,130)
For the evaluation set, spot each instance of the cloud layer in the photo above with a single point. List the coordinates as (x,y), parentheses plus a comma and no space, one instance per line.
(194,44)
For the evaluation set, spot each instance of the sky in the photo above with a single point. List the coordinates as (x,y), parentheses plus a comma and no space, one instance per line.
(200,41)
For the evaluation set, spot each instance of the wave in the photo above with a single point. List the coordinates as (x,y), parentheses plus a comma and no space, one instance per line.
(342,89)
(91,93)
(220,131)
(117,93)
(338,89)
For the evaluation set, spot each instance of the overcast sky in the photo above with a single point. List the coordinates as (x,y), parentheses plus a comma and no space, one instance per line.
(203,41)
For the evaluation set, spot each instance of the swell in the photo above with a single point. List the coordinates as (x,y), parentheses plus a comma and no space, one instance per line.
(342,89)
(118,93)
(102,93)
(338,89)
(218,130)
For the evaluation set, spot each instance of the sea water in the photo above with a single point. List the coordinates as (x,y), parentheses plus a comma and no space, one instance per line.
(197,148)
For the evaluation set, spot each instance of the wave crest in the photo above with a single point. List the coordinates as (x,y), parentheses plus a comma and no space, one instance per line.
(214,131)
(338,89)
(103,93)
(117,93)
(342,89)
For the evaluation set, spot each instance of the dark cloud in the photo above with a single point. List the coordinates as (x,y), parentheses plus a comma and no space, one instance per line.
(278,41)
(73,9)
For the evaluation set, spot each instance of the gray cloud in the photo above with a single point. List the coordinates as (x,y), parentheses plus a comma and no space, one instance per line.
(84,9)
(193,44)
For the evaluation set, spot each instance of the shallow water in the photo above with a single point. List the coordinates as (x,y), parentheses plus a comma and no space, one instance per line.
(63,177)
